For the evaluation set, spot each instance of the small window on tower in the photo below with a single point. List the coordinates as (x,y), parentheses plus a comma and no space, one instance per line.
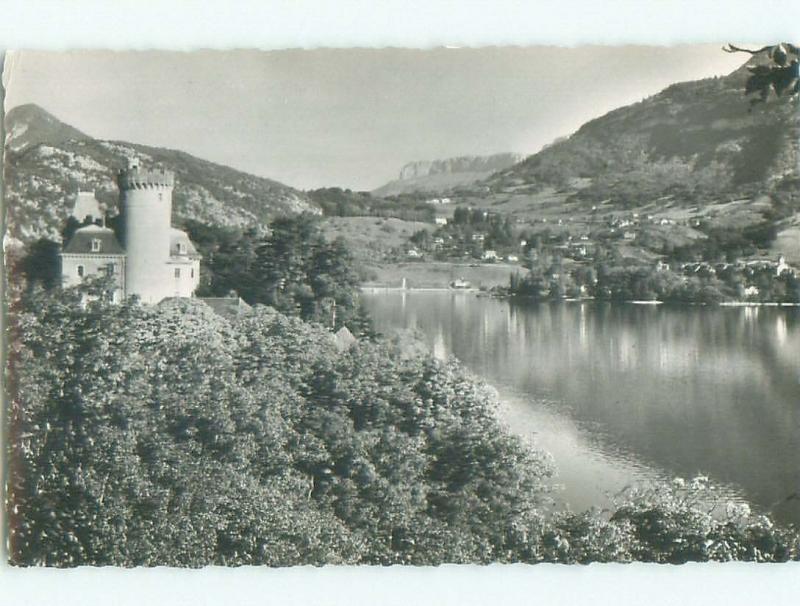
(110,269)
(160,196)
(95,245)
(80,271)
(181,248)
(192,270)
(177,272)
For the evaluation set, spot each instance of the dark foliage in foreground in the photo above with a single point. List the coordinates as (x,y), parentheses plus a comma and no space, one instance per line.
(169,435)
(292,268)
(166,435)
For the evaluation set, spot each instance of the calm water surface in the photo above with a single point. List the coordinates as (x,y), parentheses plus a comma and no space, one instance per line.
(621,392)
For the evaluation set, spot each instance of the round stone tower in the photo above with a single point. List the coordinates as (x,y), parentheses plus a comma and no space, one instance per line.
(146,213)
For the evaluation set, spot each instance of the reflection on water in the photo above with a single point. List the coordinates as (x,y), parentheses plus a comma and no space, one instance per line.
(621,392)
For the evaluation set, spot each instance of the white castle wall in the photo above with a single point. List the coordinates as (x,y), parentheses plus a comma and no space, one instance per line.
(185,277)
(93,265)
(146,208)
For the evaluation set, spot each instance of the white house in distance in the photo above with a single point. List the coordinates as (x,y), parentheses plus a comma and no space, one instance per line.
(148,258)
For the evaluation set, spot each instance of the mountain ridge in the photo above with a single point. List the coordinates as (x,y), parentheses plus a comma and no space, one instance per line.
(702,136)
(439,176)
(53,160)
(31,124)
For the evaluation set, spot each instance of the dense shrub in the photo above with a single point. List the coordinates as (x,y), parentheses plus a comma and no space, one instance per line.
(677,523)
(292,268)
(170,435)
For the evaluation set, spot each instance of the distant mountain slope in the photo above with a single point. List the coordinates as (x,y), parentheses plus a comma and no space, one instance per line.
(43,174)
(693,140)
(440,176)
(29,124)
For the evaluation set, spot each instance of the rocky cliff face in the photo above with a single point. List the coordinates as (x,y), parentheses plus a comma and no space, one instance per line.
(47,162)
(440,176)
(462,164)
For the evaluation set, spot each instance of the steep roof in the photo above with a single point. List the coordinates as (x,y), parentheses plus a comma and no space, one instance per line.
(86,205)
(344,339)
(176,236)
(81,242)
(227,306)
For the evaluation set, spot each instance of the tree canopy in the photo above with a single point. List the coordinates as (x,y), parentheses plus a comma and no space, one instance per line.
(292,268)
(169,435)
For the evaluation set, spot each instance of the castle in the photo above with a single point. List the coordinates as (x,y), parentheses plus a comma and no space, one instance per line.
(147,258)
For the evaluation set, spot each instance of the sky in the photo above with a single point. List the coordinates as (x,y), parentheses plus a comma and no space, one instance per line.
(348,117)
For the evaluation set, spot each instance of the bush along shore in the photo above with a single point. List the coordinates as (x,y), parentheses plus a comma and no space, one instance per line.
(695,283)
(169,435)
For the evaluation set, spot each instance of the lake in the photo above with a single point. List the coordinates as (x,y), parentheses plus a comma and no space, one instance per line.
(623,392)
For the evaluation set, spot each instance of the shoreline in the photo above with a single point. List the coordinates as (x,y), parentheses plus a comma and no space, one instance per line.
(373,289)
(527,415)
(370,288)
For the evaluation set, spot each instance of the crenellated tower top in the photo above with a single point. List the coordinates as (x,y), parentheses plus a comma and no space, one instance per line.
(135,177)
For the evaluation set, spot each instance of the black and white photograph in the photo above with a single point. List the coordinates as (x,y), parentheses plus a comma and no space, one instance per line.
(524,304)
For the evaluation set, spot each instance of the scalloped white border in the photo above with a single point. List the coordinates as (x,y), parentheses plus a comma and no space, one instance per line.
(269,24)
(187,24)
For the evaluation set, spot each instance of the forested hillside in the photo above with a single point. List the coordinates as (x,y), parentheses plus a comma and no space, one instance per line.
(46,169)
(693,141)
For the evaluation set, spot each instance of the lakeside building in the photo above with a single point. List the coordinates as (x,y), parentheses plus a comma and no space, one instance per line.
(147,256)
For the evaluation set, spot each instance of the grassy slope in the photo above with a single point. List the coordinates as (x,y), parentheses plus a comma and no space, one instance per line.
(439,274)
(432,184)
(788,242)
(371,237)
(692,124)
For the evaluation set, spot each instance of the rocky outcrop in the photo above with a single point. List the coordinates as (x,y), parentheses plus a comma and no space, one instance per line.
(461,164)
(441,176)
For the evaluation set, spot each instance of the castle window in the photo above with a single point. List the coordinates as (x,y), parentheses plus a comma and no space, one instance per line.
(192,270)
(95,245)
(177,272)
(181,248)
(110,269)
(80,271)
(160,196)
